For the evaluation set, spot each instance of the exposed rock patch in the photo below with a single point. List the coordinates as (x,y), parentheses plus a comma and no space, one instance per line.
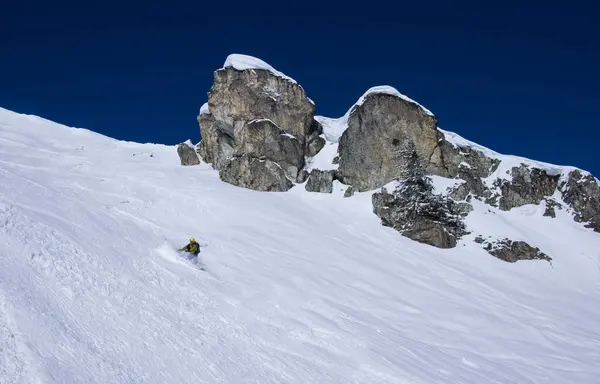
(512,251)
(320,181)
(260,175)
(582,193)
(187,154)
(528,186)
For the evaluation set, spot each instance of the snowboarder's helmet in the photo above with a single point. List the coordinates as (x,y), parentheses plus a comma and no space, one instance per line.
(192,240)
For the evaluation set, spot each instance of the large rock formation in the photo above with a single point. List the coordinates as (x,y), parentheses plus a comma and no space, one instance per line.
(244,91)
(256,112)
(377,126)
(258,129)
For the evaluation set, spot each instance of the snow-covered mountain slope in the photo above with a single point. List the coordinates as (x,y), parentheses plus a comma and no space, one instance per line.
(298,287)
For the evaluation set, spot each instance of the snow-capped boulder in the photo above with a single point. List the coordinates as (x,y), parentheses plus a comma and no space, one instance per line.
(247,89)
(258,111)
(253,173)
(187,154)
(320,181)
(262,139)
(378,124)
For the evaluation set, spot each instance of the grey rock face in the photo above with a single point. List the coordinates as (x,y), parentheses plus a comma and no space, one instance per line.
(432,233)
(314,146)
(320,181)
(438,223)
(466,160)
(262,139)
(582,193)
(528,186)
(349,192)
(314,141)
(187,155)
(302,176)
(368,149)
(238,97)
(512,251)
(260,175)
(216,146)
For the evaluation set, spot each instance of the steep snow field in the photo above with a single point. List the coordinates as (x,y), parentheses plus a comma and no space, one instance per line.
(299,287)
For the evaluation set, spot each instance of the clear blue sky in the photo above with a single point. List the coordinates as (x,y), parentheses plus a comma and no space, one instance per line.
(520,77)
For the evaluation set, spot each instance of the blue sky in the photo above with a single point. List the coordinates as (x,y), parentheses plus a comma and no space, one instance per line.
(519,77)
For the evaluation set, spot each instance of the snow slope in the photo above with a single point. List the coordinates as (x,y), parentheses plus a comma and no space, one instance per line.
(299,287)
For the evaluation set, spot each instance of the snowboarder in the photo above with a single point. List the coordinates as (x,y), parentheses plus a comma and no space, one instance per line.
(193,247)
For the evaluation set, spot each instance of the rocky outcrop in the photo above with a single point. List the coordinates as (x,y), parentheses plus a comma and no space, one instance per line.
(440,225)
(377,128)
(582,193)
(464,159)
(512,251)
(261,175)
(257,113)
(417,213)
(187,154)
(240,96)
(258,129)
(320,181)
(528,186)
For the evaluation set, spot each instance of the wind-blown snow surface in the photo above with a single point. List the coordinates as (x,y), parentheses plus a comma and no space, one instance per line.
(243,62)
(298,287)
